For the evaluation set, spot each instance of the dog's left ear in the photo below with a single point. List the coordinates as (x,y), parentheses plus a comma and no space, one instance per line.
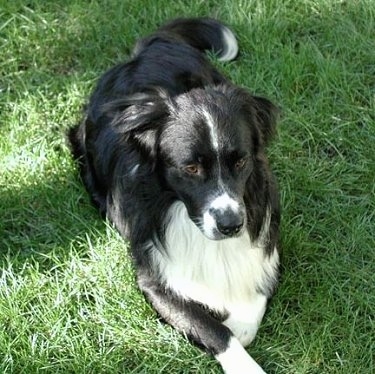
(266,116)
(145,124)
(140,118)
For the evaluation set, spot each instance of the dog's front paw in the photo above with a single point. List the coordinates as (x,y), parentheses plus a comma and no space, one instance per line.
(235,360)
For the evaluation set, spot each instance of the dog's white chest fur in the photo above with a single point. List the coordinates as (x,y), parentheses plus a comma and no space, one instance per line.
(224,275)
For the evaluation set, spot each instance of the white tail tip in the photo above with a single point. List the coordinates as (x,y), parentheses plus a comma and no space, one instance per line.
(231,46)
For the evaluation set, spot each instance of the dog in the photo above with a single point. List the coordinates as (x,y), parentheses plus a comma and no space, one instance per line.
(173,154)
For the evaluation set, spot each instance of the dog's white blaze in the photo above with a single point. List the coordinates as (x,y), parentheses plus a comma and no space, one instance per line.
(231,45)
(215,143)
(223,202)
(235,360)
(211,125)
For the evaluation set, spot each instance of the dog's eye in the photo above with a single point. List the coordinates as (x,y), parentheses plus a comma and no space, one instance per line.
(192,169)
(240,163)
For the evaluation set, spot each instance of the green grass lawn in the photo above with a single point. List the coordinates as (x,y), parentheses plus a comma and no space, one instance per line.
(68,301)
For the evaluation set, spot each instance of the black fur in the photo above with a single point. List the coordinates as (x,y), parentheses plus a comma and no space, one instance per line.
(144,125)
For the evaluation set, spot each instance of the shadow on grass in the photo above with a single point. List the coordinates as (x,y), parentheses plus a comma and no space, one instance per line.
(40,222)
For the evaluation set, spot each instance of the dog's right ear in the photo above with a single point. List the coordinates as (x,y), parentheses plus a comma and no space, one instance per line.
(140,118)
(267,115)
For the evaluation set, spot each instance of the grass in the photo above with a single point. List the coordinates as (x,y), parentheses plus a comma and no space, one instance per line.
(68,301)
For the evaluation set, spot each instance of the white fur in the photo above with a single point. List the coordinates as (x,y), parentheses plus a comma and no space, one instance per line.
(134,170)
(214,137)
(235,360)
(223,202)
(231,45)
(245,317)
(223,275)
(211,125)
(209,225)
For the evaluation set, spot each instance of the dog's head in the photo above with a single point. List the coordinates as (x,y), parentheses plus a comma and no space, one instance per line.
(205,145)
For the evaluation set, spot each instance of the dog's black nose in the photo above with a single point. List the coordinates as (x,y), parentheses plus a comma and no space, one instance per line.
(230,227)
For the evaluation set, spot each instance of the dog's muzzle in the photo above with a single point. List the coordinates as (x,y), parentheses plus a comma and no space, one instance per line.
(225,217)
(228,222)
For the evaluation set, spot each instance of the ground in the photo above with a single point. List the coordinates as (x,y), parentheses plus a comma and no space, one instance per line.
(68,301)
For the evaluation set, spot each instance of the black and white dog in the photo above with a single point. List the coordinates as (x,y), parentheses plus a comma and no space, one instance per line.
(174,155)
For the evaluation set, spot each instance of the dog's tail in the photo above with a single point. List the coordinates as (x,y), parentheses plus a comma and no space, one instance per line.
(205,34)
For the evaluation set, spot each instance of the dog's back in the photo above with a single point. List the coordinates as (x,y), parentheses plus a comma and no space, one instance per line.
(172,58)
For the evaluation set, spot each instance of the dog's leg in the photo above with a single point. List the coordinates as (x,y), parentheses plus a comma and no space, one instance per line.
(244,318)
(193,320)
